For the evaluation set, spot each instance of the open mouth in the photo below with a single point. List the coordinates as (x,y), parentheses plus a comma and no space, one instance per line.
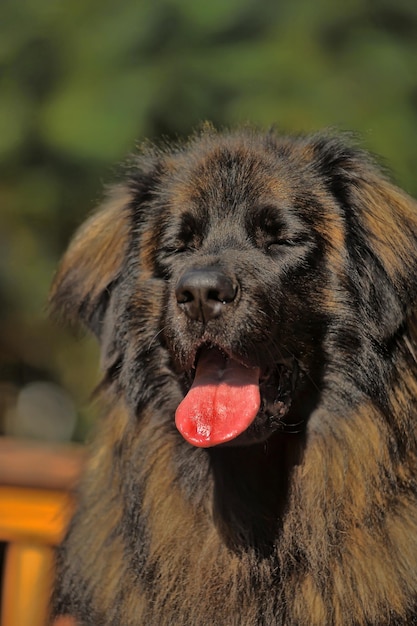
(228,400)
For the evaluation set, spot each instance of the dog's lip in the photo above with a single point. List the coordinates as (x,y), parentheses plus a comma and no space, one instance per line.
(227,354)
(266,371)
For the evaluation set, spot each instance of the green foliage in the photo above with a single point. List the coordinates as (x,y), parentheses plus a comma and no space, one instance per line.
(81,81)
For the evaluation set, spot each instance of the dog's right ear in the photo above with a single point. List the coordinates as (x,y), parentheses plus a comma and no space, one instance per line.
(93,262)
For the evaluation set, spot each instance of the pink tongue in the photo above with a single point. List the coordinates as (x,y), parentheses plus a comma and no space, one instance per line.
(222,402)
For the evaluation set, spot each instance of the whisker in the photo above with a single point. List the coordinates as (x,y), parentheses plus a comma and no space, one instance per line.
(155,337)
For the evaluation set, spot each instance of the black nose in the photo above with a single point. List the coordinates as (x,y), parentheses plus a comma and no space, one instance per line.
(204,293)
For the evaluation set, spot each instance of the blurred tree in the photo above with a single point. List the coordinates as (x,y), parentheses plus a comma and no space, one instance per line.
(80,81)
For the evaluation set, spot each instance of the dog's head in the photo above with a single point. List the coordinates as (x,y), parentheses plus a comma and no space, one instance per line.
(237,273)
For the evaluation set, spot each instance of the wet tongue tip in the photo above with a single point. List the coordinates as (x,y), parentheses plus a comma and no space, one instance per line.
(222,402)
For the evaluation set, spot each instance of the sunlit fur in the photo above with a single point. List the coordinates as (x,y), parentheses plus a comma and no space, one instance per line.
(318,525)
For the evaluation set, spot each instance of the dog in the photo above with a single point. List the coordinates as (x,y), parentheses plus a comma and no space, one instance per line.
(254,299)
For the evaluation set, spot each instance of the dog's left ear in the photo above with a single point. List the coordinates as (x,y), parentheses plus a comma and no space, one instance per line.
(380,218)
(93,262)
(389,217)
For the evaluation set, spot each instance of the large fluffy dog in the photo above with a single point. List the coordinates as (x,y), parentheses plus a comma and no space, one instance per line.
(253,297)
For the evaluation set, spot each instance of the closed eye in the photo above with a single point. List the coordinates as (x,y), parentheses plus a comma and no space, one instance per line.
(277,245)
(179,248)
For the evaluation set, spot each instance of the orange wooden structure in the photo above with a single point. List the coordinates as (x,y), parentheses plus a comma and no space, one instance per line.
(36,503)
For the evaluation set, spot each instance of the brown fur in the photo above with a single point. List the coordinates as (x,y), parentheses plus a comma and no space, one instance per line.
(317,525)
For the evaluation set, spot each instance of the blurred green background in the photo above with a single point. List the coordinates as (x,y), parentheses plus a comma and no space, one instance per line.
(81,81)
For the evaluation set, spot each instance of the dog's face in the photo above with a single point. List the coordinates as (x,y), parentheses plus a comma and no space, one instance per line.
(244,273)
(236,274)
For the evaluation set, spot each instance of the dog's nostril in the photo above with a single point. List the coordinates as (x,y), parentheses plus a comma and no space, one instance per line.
(225,293)
(217,295)
(184,296)
(204,292)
